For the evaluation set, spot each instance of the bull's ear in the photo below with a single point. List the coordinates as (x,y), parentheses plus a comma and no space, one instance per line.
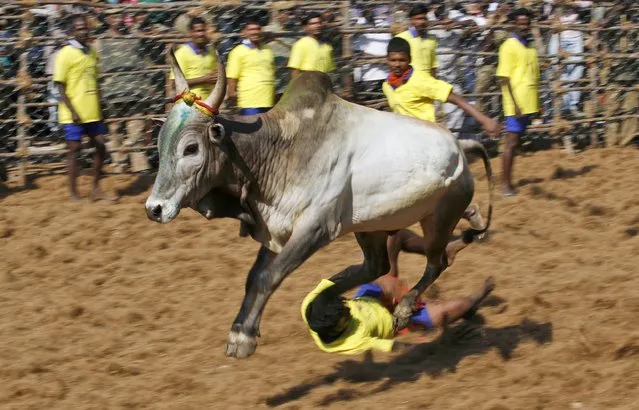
(216,133)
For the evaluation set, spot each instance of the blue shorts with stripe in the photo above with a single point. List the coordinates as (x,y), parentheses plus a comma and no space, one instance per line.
(75,132)
(372,290)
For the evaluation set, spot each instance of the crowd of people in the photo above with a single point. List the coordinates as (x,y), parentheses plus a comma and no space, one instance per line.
(261,60)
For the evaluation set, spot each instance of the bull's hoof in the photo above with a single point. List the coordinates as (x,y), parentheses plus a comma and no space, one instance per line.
(401,316)
(240,345)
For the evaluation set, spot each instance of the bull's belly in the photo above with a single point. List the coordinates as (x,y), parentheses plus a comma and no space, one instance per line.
(393,211)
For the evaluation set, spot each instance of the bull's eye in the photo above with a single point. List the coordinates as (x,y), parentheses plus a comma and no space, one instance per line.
(190,149)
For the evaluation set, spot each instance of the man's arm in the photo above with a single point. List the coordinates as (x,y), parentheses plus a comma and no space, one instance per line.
(295,72)
(490,126)
(232,91)
(210,78)
(65,100)
(506,81)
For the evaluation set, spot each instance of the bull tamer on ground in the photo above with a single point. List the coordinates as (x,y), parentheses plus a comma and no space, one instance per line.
(315,167)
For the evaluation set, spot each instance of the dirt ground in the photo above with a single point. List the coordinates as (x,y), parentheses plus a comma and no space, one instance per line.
(102,309)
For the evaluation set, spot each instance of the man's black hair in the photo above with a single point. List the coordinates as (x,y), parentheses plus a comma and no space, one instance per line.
(521,12)
(323,315)
(196,20)
(249,21)
(417,9)
(308,17)
(398,45)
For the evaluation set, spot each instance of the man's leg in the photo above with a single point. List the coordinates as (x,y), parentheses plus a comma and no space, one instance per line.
(72,164)
(433,314)
(97,134)
(512,139)
(404,240)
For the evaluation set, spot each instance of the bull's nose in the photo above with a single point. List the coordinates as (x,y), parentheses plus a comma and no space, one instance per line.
(154,212)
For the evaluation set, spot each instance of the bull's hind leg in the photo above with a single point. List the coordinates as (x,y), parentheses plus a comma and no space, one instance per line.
(437,229)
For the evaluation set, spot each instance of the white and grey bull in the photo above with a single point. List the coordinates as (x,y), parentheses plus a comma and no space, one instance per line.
(315,167)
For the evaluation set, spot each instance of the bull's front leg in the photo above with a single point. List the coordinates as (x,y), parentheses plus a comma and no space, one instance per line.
(305,241)
(263,259)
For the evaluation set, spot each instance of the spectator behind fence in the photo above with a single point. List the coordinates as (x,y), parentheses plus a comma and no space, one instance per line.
(570,41)
(75,73)
(251,72)
(281,21)
(369,77)
(311,53)
(198,60)
(422,47)
(518,71)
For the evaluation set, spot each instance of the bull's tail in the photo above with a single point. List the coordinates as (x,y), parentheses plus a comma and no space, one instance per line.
(475,147)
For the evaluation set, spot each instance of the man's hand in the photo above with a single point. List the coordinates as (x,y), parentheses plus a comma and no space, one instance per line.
(492,128)
(211,77)
(76,118)
(518,113)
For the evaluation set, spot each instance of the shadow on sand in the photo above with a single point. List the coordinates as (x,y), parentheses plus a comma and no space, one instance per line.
(433,359)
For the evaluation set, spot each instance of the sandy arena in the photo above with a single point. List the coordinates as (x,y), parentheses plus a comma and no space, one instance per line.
(104,309)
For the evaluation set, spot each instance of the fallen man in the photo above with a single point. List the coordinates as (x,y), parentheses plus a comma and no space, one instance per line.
(353,326)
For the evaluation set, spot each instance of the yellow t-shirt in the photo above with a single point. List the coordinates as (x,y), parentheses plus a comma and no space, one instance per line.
(519,64)
(370,328)
(79,73)
(254,68)
(416,97)
(423,54)
(308,54)
(195,65)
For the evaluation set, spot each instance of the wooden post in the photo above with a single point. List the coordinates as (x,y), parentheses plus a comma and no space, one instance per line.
(22,85)
(347,50)
(592,107)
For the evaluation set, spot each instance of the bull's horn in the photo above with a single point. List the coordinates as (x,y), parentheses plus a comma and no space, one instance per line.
(215,99)
(180,81)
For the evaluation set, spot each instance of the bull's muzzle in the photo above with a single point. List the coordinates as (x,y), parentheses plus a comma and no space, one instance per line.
(154,212)
(161,211)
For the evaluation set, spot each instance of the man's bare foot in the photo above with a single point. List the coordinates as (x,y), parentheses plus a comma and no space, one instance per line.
(98,195)
(75,198)
(479,296)
(509,191)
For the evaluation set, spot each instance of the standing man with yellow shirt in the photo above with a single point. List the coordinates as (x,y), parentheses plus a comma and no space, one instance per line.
(412,92)
(251,72)
(422,47)
(197,60)
(75,73)
(518,71)
(310,53)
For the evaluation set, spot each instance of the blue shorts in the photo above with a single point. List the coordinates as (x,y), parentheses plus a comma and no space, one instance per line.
(372,290)
(517,125)
(75,132)
(253,111)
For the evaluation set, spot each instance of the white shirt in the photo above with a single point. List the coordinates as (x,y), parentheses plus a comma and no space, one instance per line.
(374,44)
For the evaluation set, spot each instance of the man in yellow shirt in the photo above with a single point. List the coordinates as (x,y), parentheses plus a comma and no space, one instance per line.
(251,72)
(413,92)
(75,73)
(310,53)
(339,325)
(197,60)
(422,47)
(518,71)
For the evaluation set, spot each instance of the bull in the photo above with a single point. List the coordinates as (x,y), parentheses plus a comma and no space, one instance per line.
(312,169)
